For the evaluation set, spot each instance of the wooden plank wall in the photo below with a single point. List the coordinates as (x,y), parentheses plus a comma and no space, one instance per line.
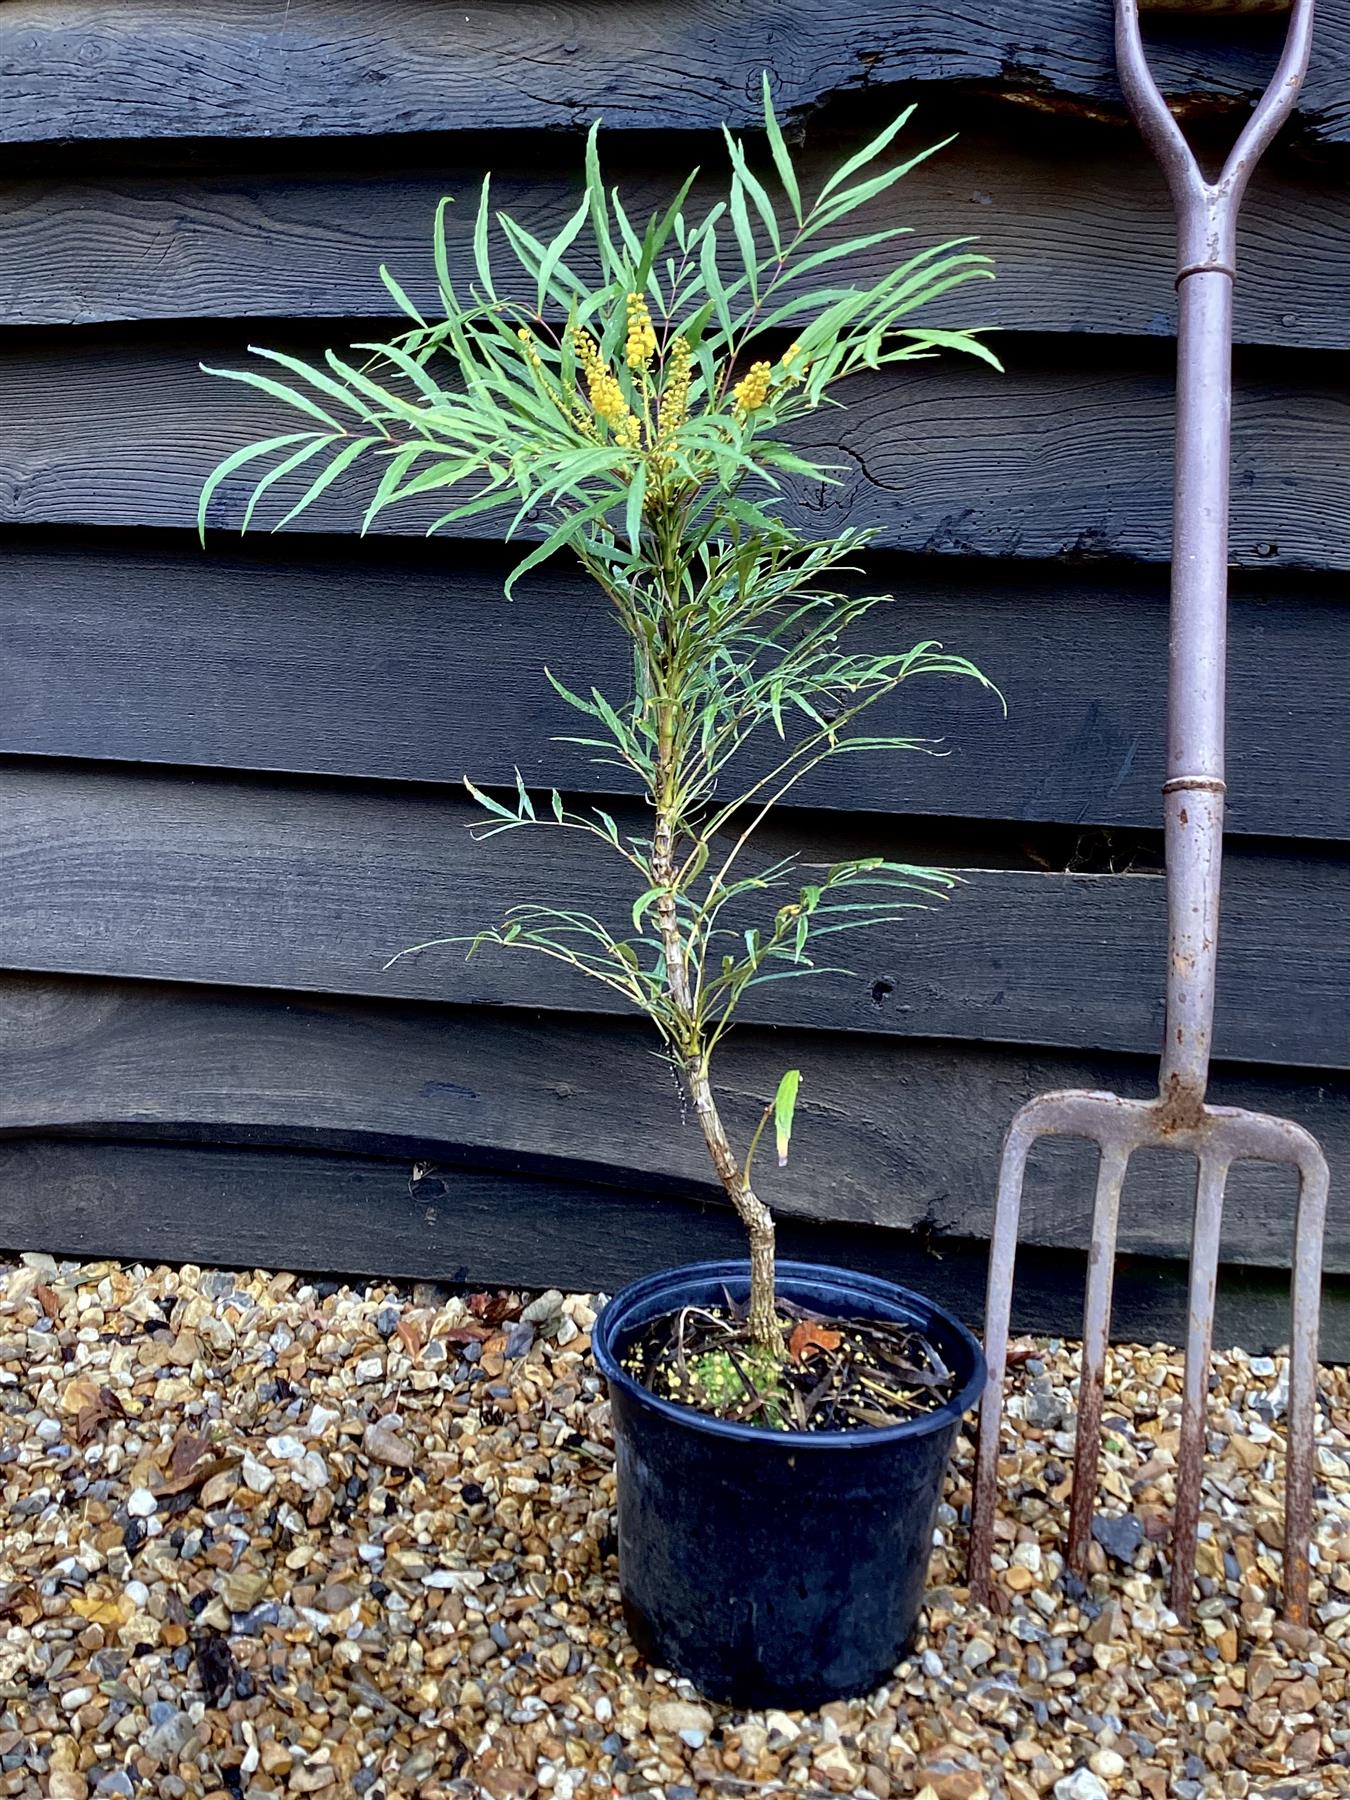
(229,780)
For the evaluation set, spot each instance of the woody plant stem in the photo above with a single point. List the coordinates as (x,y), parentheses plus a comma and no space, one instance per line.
(692,1048)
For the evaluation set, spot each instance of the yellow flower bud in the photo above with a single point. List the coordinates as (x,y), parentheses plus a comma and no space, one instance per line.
(752,390)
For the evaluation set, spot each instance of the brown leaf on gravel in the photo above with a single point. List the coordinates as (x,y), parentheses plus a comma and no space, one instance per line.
(466,1334)
(492,1308)
(47,1300)
(808,1337)
(191,1465)
(187,1450)
(410,1336)
(104,1406)
(18,1597)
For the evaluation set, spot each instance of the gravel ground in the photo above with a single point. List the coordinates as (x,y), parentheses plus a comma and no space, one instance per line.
(266,1536)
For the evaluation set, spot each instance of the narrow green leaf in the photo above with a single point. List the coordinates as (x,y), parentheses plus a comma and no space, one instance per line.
(958,340)
(526,804)
(782,161)
(637,494)
(595,189)
(866,155)
(555,250)
(340,463)
(236,460)
(277,390)
(449,299)
(316,377)
(756,190)
(284,468)
(400,299)
(643,902)
(481,259)
(397,468)
(745,237)
(491,805)
(554,542)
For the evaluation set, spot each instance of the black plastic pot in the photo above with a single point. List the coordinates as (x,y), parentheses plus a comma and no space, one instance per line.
(776,1568)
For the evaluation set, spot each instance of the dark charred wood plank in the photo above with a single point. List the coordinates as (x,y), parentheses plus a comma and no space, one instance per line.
(903,1140)
(1081,235)
(361,1216)
(106,69)
(281,885)
(410,666)
(947,458)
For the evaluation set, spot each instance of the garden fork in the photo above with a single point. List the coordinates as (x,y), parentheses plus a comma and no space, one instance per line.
(1193,800)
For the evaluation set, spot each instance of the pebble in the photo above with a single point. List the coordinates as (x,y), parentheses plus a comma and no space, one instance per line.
(141,1503)
(402,1565)
(544,1310)
(1120,1536)
(1044,1409)
(383,1445)
(679,1715)
(257,1476)
(1082,1784)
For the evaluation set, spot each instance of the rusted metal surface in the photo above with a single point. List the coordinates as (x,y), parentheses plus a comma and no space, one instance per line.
(1193,808)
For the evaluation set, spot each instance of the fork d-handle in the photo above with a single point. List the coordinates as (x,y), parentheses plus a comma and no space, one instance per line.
(1193,791)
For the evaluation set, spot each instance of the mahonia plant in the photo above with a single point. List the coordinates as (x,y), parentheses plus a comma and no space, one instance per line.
(640,409)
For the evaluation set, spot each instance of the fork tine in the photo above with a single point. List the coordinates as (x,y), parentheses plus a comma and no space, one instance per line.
(1210,1179)
(997,1313)
(1302,1417)
(1096,1330)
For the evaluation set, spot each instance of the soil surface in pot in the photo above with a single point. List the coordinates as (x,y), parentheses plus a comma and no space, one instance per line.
(840,1374)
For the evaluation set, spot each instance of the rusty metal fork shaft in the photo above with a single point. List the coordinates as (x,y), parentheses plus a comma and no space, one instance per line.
(1193,809)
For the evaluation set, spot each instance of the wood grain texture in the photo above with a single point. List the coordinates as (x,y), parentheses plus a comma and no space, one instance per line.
(944,458)
(1081,234)
(311,887)
(904,1137)
(408,665)
(101,69)
(362,1216)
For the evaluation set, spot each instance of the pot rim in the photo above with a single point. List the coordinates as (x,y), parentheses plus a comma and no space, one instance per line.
(867,1437)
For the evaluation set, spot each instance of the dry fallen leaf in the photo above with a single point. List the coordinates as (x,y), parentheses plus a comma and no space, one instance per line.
(48,1300)
(102,1610)
(466,1334)
(17,1597)
(808,1337)
(492,1308)
(95,1410)
(410,1336)
(199,1473)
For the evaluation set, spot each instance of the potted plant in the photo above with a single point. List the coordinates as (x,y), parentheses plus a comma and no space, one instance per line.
(782,1433)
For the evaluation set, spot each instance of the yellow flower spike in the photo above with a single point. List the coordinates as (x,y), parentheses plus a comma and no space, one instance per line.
(752,390)
(641,345)
(603,390)
(675,393)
